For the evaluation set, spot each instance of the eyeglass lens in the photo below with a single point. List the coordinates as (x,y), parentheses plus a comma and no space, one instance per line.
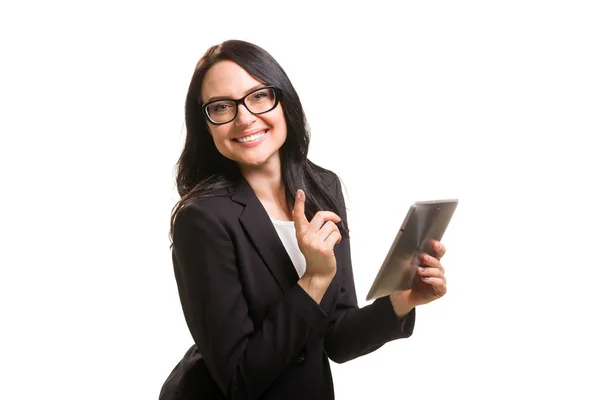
(257,102)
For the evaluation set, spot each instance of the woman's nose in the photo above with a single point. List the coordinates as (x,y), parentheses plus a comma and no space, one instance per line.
(244,117)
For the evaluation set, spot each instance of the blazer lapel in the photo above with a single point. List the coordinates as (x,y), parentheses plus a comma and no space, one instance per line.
(263,235)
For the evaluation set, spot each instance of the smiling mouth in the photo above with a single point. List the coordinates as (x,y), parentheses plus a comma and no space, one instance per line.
(251,138)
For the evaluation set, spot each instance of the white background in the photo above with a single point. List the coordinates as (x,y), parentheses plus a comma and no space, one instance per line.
(494,103)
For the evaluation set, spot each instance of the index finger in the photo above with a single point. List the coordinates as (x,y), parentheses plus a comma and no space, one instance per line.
(300,221)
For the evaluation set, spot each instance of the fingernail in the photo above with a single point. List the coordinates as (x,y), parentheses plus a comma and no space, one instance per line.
(426,258)
(298,194)
(421,269)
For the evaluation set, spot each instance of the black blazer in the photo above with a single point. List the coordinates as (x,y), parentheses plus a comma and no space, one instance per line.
(257,333)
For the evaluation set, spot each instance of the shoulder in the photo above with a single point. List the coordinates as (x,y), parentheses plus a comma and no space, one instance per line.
(328,179)
(330,182)
(208,212)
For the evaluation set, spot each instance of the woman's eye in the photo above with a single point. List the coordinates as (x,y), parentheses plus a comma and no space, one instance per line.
(261,95)
(220,107)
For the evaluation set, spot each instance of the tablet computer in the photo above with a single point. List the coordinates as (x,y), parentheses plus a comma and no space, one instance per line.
(424,222)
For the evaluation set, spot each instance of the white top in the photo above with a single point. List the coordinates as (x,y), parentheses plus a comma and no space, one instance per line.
(287,234)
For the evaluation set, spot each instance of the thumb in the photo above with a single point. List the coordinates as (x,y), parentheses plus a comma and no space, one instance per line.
(300,221)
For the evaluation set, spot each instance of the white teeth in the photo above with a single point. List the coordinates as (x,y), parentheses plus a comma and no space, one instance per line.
(251,137)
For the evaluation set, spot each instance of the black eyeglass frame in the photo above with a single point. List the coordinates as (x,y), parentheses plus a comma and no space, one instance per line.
(242,101)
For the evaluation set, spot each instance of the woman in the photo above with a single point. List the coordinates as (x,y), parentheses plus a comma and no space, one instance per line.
(260,245)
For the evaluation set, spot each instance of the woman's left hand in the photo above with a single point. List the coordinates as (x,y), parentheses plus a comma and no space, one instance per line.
(430,283)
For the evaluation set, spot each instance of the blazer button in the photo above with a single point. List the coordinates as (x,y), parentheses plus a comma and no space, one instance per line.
(301,357)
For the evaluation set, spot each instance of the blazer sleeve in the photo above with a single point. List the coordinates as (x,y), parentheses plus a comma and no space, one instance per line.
(355,331)
(242,358)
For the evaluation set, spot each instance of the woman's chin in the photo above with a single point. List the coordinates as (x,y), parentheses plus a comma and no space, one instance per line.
(256,162)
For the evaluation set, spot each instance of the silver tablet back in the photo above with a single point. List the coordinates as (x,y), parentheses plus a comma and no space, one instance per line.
(425,221)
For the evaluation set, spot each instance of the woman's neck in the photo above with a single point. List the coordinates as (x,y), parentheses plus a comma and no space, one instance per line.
(267,184)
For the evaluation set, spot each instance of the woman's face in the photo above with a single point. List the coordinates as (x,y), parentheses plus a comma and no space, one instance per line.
(250,140)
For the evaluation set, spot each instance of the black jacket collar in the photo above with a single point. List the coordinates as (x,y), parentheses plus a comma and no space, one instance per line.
(262,233)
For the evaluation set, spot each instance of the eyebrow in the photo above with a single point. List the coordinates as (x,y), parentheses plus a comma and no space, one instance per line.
(253,88)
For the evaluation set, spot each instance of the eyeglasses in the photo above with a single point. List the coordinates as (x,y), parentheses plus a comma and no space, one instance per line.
(257,102)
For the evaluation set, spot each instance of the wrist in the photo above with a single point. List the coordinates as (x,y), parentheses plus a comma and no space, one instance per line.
(401,305)
(315,285)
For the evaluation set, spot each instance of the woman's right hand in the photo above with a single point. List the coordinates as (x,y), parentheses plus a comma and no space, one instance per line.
(317,239)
